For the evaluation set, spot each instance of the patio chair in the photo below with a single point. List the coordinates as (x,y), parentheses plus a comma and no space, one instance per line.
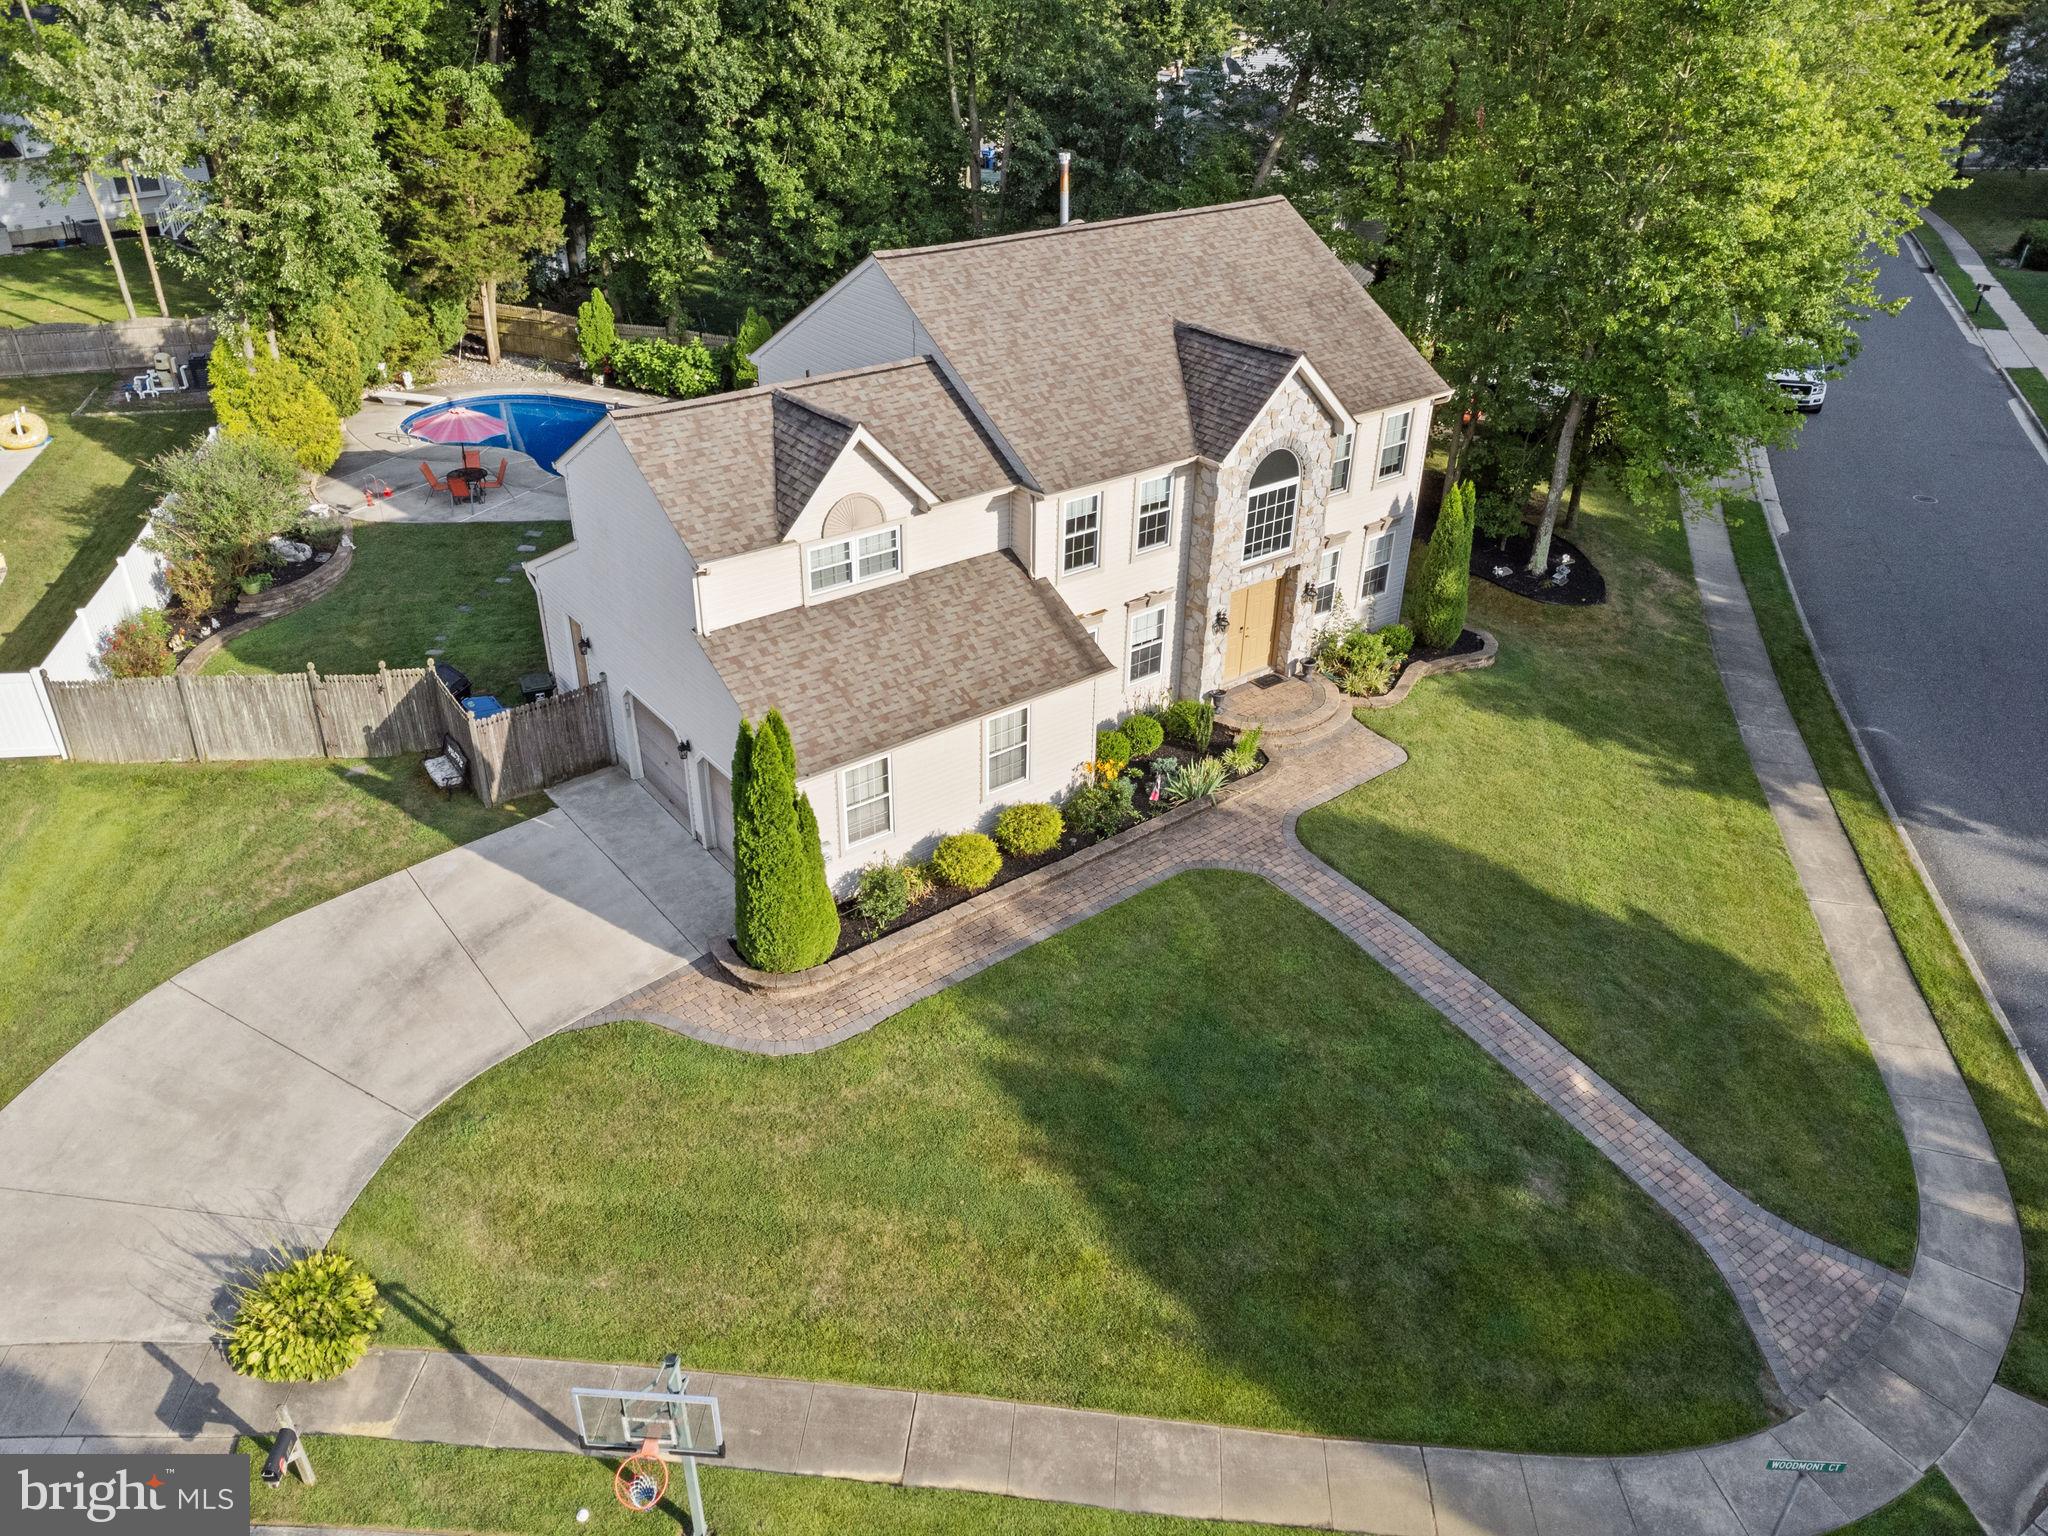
(457,489)
(497,481)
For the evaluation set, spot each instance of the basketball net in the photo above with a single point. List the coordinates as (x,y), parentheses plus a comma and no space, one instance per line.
(641,1482)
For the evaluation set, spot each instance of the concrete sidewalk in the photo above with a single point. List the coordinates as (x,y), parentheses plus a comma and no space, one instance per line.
(2021,344)
(245,1102)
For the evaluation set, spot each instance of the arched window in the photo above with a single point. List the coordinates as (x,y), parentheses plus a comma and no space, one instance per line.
(1269,525)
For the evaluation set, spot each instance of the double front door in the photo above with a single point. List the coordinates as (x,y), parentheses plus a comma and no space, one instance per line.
(1253,614)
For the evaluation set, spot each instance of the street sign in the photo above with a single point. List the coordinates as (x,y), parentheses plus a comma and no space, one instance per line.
(1806,1466)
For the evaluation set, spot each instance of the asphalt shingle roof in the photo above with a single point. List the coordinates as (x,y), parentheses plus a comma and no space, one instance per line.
(1227,381)
(732,471)
(1067,338)
(866,673)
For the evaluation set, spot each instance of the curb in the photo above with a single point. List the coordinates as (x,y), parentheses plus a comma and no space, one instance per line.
(1415,672)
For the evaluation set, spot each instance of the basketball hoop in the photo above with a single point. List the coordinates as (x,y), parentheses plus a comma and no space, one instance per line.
(642,1479)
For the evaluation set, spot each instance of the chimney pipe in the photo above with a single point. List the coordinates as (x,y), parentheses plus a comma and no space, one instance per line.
(1066,160)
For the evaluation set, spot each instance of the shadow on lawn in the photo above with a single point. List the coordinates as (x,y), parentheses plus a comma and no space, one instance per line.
(106,521)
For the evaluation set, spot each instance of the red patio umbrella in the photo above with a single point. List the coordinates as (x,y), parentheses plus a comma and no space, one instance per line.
(458,424)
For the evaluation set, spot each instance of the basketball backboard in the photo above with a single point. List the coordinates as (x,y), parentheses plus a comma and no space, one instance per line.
(679,1422)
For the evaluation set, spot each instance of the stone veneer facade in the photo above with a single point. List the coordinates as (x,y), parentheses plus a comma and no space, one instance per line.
(1296,421)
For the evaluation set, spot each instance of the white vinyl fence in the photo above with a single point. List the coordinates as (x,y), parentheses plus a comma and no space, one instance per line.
(28,725)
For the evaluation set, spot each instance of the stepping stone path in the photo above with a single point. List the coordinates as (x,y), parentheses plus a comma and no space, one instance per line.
(463,608)
(527,549)
(502,580)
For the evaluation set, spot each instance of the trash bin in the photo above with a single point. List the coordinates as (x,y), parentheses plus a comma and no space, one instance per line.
(482,706)
(536,685)
(456,682)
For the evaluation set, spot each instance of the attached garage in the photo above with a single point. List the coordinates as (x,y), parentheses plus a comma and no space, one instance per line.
(661,763)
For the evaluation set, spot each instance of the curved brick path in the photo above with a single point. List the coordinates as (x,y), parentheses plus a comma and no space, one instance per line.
(1812,1306)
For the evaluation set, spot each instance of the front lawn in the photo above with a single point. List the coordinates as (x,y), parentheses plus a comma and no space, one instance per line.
(1197,1156)
(415,588)
(77,506)
(76,283)
(1929,1508)
(2030,383)
(1988,211)
(1581,825)
(114,878)
(2005,1098)
(396,1484)
(1960,283)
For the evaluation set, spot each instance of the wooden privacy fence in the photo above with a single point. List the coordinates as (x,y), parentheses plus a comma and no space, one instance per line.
(532,746)
(119,346)
(220,719)
(551,335)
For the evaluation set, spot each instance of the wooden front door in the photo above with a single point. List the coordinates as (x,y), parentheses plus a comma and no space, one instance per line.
(1250,646)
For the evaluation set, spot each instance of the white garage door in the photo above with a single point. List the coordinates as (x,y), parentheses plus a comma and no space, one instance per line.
(661,763)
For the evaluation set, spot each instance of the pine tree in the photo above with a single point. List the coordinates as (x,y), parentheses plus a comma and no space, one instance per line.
(1440,595)
(783,914)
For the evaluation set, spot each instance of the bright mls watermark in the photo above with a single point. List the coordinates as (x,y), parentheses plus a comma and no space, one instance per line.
(195,1495)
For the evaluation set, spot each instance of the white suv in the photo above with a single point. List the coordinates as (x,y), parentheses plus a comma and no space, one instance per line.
(1806,388)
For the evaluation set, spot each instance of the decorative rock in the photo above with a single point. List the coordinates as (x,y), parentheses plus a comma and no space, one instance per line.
(462,608)
(290,551)
(322,557)
(527,549)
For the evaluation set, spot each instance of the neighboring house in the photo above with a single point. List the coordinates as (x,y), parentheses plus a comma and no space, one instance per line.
(990,496)
(33,214)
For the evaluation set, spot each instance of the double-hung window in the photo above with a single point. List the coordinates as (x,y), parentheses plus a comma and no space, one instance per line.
(1379,558)
(1394,444)
(1081,534)
(848,562)
(1326,583)
(1009,749)
(1340,466)
(1269,514)
(865,791)
(1155,513)
(1148,644)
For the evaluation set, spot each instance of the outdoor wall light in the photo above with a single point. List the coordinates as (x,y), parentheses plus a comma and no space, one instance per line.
(1222,625)
(583,645)
(682,749)
(1308,591)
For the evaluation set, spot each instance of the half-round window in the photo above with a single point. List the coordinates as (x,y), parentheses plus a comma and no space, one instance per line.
(850,513)
(1269,519)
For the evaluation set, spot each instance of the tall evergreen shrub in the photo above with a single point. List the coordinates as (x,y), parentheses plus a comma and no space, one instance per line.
(1442,592)
(783,915)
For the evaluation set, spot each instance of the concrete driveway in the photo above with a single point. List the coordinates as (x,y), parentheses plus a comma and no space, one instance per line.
(1918,507)
(246,1102)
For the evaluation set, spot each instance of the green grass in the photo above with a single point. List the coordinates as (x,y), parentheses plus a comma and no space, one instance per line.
(2005,1098)
(1581,825)
(1988,212)
(113,879)
(1930,1508)
(404,591)
(2029,382)
(77,284)
(77,506)
(394,1484)
(1959,283)
(1144,1166)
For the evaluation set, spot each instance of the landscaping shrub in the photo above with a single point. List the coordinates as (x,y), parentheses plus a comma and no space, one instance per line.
(1193,781)
(684,370)
(255,582)
(883,895)
(969,860)
(223,501)
(427,330)
(1190,722)
(269,397)
(736,358)
(324,346)
(309,1319)
(1097,810)
(2033,242)
(597,335)
(376,320)
(1146,734)
(1357,660)
(1023,830)
(1442,591)
(1112,746)
(139,646)
(784,918)
(1399,640)
(917,881)
(1242,755)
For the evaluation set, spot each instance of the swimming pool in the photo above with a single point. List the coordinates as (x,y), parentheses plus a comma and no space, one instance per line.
(540,426)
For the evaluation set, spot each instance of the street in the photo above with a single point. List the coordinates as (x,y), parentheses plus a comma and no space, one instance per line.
(1918,509)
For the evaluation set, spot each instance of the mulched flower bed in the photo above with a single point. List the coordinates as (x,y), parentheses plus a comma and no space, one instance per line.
(1468,641)
(1584,588)
(855,934)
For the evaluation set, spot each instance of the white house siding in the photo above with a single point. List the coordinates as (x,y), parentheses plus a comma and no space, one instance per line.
(629,584)
(936,784)
(861,321)
(1354,516)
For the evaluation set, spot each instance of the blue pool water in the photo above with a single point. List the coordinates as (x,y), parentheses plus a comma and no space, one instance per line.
(540,426)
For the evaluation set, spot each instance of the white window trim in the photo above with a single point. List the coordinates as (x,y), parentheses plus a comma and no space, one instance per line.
(1172,514)
(1407,446)
(989,788)
(1366,566)
(1346,454)
(888,797)
(1165,612)
(857,581)
(1245,560)
(1060,536)
(1332,562)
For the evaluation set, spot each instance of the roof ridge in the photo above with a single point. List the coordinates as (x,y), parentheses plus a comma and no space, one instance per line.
(781,392)
(1243,341)
(1075,227)
(760,391)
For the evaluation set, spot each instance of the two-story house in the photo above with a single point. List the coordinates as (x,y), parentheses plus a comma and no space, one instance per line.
(988,497)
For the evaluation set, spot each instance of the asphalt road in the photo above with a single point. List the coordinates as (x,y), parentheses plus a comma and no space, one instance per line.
(1918,509)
